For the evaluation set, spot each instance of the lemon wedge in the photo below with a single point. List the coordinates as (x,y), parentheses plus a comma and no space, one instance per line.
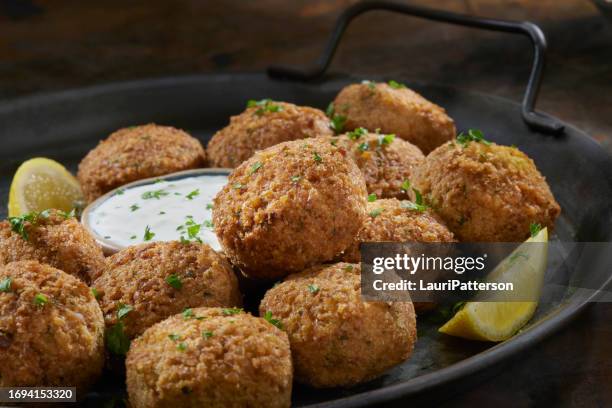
(500,318)
(40,184)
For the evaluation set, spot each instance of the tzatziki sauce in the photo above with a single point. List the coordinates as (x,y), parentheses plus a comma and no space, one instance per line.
(165,210)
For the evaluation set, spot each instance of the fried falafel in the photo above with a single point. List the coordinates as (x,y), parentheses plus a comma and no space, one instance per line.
(52,237)
(261,125)
(289,207)
(385,161)
(393,108)
(157,280)
(136,153)
(219,358)
(51,328)
(336,338)
(485,192)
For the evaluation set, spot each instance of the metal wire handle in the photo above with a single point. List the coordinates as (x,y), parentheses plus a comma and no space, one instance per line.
(536,120)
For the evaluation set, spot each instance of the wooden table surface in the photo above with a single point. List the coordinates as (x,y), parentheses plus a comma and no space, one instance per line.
(60,44)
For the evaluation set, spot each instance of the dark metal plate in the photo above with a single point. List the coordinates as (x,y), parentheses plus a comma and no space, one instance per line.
(64,126)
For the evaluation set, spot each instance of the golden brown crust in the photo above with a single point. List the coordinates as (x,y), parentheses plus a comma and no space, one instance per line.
(226,361)
(135,153)
(136,276)
(58,343)
(389,221)
(57,240)
(251,131)
(302,205)
(336,338)
(385,163)
(486,193)
(400,111)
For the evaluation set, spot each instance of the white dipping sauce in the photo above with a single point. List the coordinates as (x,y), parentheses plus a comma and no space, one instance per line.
(171,210)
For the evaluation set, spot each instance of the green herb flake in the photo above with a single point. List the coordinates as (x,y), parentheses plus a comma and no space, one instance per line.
(357,133)
(410,205)
(134,207)
(535,228)
(133,237)
(40,299)
(116,340)
(237,186)
(472,135)
(348,268)
(18,224)
(181,347)
(313,289)
(174,281)
(231,311)
(5,284)
(385,140)
(123,310)
(376,212)
(156,194)
(95,293)
(337,123)
(174,337)
(209,206)
(207,334)
(317,158)
(256,166)
(396,85)
(119,191)
(270,319)
(148,234)
(363,146)
(405,186)
(372,197)
(187,313)
(295,179)
(370,84)
(193,194)
(208,224)
(264,106)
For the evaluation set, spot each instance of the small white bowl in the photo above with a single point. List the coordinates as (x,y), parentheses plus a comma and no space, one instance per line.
(110,247)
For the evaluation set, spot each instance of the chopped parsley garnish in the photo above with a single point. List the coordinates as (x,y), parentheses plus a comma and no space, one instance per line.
(317,158)
(472,135)
(134,207)
(116,340)
(174,281)
(372,197)
(5,284)
(231,311)
(376,212)
(156,194)
(385,140)
(133,237)
(123,311)
(207,334)
(193,194)
(535,228)
(67,215)
(209,206)
(357,133)
(396,85)
(337,123)
(181,347)
(418,197)
(148,234)
(256,166)
(275,322)
(410,205)
(162,213)
(348,268)
(313,289)
(264,106)
(208,224)
(18,224)
(237,186)
(405,186)
(119,191)
(330,110)
(187,313)
(174,337)
(295,179)
(363,146)
(370,84)
(95,293)
(40,299)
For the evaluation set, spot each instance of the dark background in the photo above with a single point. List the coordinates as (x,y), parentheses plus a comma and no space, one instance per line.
(54,45)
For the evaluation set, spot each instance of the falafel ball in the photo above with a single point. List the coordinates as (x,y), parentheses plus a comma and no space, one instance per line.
(51,328)
(159,279)
(393,108)
(485,192)
(336,338)
(261,125)
(54,238)
(220,358)
(289,207)
(392,220)
(385,161)
(136,153)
